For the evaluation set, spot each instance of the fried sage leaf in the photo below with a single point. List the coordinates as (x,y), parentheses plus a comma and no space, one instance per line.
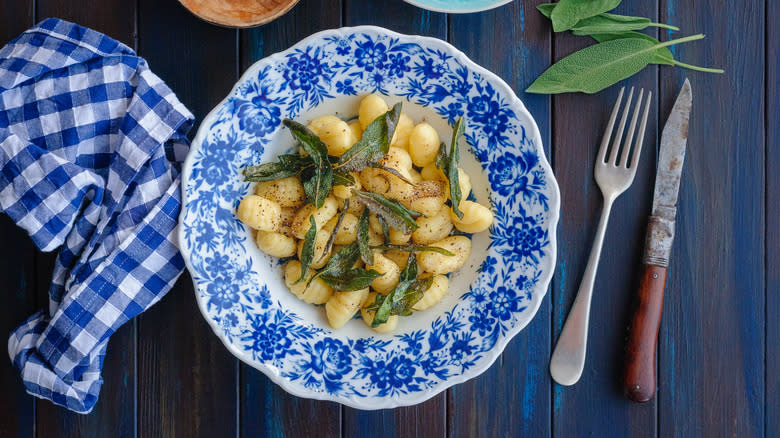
(374,143)
(450,166)
(343,179)
(341,262)
(307,252)
(354,279)
(401,299)
(332,237)
(413,248)
(362,239)
(398,174)
(286,166)
(318,182)
(393,212)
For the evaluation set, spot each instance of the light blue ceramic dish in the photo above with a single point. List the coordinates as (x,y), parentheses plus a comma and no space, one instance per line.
(240,290)
(458,6)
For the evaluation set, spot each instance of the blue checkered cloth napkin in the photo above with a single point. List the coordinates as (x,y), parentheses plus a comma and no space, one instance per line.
(90,143)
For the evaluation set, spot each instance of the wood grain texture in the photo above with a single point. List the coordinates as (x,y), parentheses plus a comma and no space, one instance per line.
(266,409)
(579,122)
(114,18)
(772,174)
(514,42)
(17,273)
(187,380)
(114,414)
(712,335)
(640,374)
(428,419)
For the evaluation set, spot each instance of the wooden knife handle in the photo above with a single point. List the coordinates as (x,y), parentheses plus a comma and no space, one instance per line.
(639,382)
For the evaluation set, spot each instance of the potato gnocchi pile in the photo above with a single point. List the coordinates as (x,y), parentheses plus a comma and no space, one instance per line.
(370,212)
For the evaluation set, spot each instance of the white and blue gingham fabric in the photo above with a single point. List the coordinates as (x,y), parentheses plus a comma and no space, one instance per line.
(90,142)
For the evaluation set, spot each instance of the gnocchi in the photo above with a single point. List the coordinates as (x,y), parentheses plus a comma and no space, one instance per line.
(280,212)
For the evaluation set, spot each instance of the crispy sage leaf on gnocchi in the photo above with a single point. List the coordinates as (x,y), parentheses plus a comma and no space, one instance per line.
(343,179)
(374,143)
(362,239)
(318,179)
(332,237)
(393,212)
(414,248)
(452,166)
(341,262)
(401,299)
(397,173)
(354,279)
(287,166)
(307,253)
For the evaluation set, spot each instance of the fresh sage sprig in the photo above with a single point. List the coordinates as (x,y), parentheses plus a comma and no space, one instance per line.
(307,252)
(448,163)
(413,248)
(374,143)
(362,238)
(597,67)
(393,212)
(567,13)
(319,178)
(405,295)
(606,22)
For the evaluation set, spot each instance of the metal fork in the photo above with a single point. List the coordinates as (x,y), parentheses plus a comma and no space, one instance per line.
(613,177)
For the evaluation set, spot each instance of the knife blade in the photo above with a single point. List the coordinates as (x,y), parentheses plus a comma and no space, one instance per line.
(639,382)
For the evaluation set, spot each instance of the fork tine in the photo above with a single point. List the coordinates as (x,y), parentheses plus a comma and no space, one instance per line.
(641,134)
(631,129)
(610,125)
(619,133)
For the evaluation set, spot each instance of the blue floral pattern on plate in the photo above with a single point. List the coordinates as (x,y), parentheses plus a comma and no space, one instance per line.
(371,371)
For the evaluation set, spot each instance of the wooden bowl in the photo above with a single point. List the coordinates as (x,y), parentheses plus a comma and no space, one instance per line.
(238,13)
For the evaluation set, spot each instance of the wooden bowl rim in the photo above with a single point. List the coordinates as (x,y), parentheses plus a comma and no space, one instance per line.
(263,19)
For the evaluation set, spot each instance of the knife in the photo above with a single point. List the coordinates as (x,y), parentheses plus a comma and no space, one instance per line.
(639,381)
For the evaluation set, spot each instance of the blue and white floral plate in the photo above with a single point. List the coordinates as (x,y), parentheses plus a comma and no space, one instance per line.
(241,291)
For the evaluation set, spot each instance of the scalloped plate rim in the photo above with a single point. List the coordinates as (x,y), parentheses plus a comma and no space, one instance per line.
(409,399)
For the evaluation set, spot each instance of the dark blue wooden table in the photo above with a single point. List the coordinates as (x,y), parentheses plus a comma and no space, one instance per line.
(166,374)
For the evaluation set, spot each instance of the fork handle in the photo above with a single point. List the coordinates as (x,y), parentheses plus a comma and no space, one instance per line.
(639,382)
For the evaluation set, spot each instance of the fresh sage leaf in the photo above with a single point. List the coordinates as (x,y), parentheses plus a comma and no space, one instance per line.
(374,143)
(413,248)
(352,280)
(307,252)
(597,67)
(393,212)
(606,23)
(362,238)
(452,167)
(662,56)
(316,185)
(567,13)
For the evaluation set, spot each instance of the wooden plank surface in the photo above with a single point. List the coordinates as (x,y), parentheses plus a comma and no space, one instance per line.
(579,122)
(115,413)
(166,374)
(17,273)
(266,409)
(772,291)
(513,42)
(427,419)
(187,380)
(712,336)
